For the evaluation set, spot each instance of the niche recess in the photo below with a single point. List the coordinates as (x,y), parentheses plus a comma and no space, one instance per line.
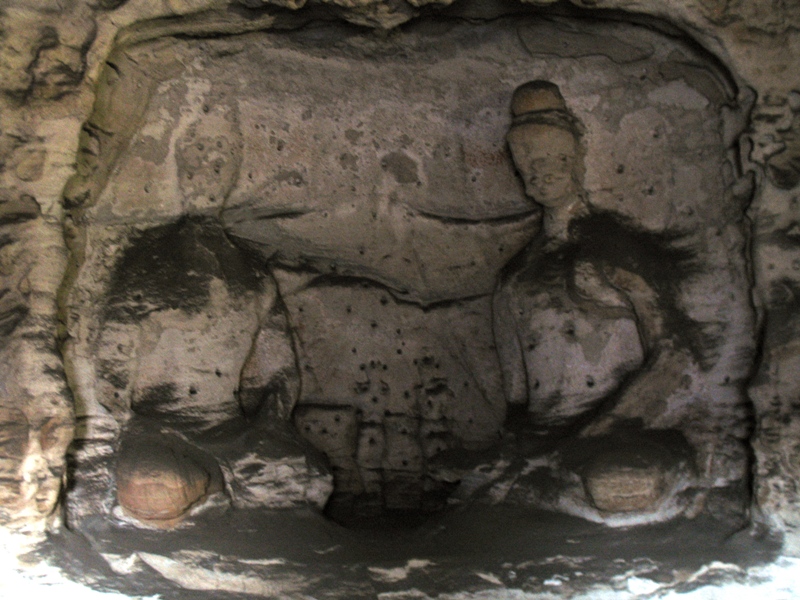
(293,251)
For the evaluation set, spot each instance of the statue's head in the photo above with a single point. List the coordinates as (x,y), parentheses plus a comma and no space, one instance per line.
(545,144)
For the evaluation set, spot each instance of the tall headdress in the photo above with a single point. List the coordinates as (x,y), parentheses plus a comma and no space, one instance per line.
(541,102)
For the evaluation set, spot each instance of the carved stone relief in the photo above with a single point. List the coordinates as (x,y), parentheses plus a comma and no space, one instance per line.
(506,274)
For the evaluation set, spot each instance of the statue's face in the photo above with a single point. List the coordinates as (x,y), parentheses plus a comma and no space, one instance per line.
(546,158)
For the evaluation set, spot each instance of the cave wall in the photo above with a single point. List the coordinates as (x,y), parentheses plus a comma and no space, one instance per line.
(408,289)
(54,60)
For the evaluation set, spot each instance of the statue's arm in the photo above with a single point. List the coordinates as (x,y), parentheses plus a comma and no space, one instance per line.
(506,329)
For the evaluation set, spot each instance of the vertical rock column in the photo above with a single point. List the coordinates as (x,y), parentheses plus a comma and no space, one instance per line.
(776,260)
(43,59)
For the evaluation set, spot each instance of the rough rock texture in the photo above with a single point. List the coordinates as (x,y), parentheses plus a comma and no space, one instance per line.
(157,484)
(626,481)
(621,488)
(187,341)
(148,148)
(347,255)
